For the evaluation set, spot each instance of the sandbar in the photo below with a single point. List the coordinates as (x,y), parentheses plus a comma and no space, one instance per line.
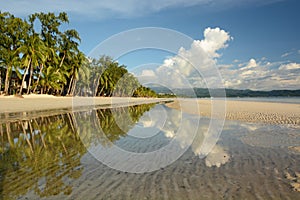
(247,111)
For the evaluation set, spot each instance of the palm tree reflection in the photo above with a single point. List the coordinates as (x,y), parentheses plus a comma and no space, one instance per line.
(43,154)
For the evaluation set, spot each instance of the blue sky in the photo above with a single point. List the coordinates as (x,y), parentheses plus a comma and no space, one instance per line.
(263,54)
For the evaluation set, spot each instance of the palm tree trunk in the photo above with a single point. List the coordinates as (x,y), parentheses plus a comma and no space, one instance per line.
(86,91)
(6,87)
(45,89)
(61,62)
(101,91)
(71,122)
(62,90)
(38,80)
(40,133)
(30,77)
(97,85)
(75,124)
(31,134)
(110,93)
(70,85)
(63,145)
(24,75)
(73,87)
(8,132)
(0,81)
(27,140)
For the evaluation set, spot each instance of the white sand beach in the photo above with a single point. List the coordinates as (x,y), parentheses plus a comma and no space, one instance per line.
(48,102)
(248,111)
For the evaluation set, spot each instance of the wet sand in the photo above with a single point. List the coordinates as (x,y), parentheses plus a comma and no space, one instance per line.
(253,172)
(247,111)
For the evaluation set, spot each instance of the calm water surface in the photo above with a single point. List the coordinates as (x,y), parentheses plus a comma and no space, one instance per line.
(55,155)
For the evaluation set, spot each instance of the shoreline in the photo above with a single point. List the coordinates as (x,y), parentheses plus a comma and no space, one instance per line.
(29,103)
(246,111)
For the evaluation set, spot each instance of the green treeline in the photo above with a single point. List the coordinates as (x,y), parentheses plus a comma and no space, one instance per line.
(105,77)
(38,56)
(204,92)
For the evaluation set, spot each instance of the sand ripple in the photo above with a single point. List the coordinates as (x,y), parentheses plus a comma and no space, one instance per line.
(252,173)
(261,112)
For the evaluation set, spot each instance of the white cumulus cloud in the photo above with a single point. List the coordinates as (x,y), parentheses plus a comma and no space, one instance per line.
(290,66)
(262,75)
(252,64)
(148,72)
(196,66)
(215,39)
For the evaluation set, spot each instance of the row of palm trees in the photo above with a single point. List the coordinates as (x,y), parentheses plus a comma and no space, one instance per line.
(46,59)
(105,77)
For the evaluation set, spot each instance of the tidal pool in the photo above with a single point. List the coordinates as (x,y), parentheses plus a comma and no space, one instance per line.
(144,152)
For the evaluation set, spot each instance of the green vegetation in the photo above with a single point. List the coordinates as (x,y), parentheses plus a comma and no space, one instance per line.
(37,56)
(42,148)
(43,154)
(105,77)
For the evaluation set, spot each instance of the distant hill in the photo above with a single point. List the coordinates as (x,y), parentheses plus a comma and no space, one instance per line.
(203,92)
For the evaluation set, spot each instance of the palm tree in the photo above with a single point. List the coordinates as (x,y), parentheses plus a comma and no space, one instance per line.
(78,60)
(67,44)
(54,58)
(34,55)
(116,73)
(101,79)
(52,80)
(49,55)
(52,38)
(12,33)
(10,60)
(105,82)
(126,85)
(83,83)
(50,24)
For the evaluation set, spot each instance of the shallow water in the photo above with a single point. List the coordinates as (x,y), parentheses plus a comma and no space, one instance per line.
(144,152)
